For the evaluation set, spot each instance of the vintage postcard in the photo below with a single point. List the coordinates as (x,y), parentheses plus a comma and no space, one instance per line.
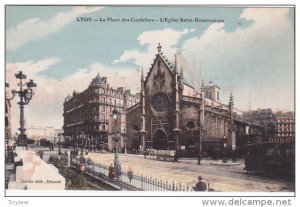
(149,100)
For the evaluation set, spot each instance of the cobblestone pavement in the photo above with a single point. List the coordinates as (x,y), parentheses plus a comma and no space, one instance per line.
(221,178)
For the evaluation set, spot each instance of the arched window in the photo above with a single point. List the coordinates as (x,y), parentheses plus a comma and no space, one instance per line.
(135,127)
(190,125)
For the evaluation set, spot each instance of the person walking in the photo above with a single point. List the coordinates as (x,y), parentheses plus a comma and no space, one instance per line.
(233,157)
(176,156)
(111,172)
(41,154)
(199,158)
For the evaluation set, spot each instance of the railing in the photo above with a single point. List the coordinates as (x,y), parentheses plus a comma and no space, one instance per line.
(99,174)
(129,181)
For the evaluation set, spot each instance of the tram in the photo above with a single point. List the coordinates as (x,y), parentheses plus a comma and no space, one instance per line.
(274,159)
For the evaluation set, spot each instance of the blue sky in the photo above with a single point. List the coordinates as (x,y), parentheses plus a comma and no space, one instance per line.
(251,54)
(94,37)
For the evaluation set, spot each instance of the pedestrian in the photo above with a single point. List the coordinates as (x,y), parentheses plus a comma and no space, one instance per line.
(176,156)
(200,185)
(233,157)
(41,154)
(224,156)
(145,153)
(111,172)
(199,158)
(130,174)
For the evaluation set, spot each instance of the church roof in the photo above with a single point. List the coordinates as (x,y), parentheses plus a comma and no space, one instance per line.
(187,84)
(170,65)
(161,55)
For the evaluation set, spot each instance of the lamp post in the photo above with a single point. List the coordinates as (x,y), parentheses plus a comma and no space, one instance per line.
(224,141)
(125,141)
(81,162)
(76,139)
(81,151)
(59,137)
(117,164)
(25,92)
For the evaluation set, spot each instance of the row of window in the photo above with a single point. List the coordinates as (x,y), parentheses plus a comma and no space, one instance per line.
(113,93)
(260,116)
(285,128)
(119,103)
(72,122)
(286,121)
(285,135)
(108,92)
(88,127)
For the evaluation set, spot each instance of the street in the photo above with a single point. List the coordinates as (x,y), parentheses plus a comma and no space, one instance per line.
(221,178)
(186,171)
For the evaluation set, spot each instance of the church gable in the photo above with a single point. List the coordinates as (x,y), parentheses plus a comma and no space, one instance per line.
(161,74)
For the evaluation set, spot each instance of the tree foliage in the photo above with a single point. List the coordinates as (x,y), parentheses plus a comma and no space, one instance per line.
(73,180)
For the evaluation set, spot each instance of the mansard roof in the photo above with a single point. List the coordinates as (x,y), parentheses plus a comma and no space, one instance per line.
(98,80)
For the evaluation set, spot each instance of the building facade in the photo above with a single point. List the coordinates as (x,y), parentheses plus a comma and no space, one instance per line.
(285,128)
(87,114)
(279,126)
(173,115)
(47,133)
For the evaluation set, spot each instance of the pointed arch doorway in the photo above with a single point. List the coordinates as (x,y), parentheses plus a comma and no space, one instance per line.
(160,140)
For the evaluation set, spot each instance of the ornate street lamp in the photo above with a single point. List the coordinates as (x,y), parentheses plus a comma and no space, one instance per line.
(81,151)
(25,93)
(224,141)
(117,164)
(81,163)
(59,137)
(125,141)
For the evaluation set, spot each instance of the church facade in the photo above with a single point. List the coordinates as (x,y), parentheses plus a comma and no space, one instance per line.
(171,115)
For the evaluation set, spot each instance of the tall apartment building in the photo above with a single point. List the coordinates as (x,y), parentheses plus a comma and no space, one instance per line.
(279,126)
(87,114)
(285,127)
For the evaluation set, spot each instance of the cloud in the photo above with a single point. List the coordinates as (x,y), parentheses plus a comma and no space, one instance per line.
(168,38)
(257,58)
(46,106)
(35,28)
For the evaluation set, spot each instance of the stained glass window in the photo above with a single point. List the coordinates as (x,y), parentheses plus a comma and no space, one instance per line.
(160,102)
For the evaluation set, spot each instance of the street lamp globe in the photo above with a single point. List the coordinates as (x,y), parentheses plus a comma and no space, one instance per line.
(115,113)
(31,84)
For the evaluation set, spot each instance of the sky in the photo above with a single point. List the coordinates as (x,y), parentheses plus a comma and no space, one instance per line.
(250,53)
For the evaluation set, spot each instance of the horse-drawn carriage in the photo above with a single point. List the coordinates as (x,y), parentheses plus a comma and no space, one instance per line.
(162,155)
(165,155)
